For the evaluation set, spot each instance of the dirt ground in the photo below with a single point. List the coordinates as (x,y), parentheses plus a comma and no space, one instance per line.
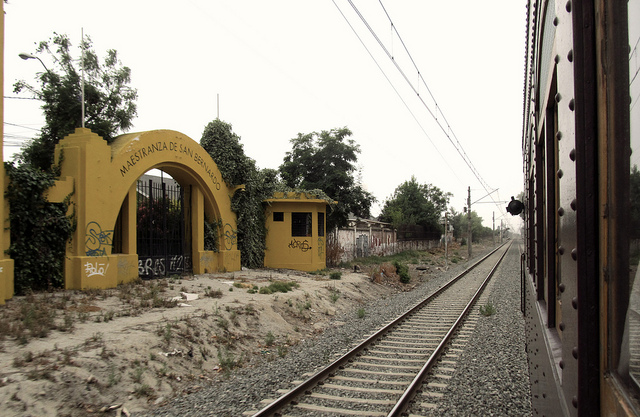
(73,353)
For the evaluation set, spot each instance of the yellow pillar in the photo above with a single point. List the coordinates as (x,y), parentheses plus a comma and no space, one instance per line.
(6,263)
(89,263)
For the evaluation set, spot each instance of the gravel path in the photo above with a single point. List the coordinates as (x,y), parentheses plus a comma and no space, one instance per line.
(485,384)
(492,375)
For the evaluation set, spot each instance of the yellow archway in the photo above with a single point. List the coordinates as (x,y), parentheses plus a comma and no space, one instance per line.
(100,180)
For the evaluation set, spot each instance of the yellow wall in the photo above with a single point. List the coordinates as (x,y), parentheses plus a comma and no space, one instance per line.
(305,253)
(101,179)
(6,264)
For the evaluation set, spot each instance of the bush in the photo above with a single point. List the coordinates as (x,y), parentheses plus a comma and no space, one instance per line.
(278,286)
(335,275)
(403,272)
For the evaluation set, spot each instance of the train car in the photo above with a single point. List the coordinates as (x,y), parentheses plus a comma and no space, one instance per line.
(581,151)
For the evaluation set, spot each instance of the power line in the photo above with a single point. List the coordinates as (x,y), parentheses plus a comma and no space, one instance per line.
(448,131)
(22,126)
(397,92)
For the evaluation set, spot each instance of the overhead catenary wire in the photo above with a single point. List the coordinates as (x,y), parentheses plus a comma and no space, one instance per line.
(441,121)
(404,102)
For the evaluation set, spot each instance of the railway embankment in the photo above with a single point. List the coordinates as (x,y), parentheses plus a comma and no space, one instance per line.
(152,349)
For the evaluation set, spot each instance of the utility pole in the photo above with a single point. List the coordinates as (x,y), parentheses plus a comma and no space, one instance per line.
(469,222)
(493,229)
(446,238)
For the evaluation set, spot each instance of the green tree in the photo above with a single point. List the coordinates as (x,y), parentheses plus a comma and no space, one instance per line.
(459,221)
(39,229)
(109,100)
(224,146)
(327,161)
(416,204)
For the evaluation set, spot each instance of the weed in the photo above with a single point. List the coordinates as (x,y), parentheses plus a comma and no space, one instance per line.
(143,390)
(166,333)
(204,352)
(164,370)
(136,374)
(83,316)
(279,286)
(282,351)
(44,373)
(108,316)
(361,313)
(488,309)
(335,294)
(223,323)
(208,292)
(303,306)
(335,275)
(269,339)
(106,353)
(233,316)
(113,378)
(227,360)
(67,356)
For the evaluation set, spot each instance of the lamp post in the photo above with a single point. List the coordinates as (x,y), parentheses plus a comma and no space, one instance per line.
(27,56)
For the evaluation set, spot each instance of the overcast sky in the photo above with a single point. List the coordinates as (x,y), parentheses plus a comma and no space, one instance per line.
(286,67)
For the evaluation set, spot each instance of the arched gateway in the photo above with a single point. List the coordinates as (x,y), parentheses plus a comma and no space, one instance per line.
(100,180)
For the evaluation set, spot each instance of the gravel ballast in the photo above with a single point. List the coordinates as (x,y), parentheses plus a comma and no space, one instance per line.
(491,377)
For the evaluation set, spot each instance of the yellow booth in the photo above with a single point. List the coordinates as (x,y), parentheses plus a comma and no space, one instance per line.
(296,232)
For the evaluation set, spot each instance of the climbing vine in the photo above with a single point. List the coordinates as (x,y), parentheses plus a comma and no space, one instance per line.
(39,229)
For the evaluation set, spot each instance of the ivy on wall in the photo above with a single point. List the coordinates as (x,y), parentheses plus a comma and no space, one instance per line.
(224,147)
(39,229)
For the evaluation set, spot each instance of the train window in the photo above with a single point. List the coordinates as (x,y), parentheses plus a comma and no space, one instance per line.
(629,364)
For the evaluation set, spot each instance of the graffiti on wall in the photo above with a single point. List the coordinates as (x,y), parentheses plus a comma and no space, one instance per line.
(97,239)
(230,237)
(157,265)
(302,245)
(95,268)
(320,247)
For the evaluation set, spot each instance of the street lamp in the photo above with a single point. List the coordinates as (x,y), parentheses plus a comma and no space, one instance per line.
(27,56)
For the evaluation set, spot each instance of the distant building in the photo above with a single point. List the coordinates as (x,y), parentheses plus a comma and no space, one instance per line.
(366,237)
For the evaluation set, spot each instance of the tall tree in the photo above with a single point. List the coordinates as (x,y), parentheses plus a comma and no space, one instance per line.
(327,161)
(236,168)
(39,229)
(109,100)
(459,222)
(416,204)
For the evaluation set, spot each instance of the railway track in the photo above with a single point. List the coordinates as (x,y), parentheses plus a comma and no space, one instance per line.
(382,375)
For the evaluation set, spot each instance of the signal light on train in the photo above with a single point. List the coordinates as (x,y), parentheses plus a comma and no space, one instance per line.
(515,207)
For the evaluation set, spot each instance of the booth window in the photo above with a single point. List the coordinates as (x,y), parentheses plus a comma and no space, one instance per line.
(320,224)
(300,224)
(278,216)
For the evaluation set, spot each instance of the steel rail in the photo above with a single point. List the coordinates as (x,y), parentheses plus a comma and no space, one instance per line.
(403,403)
(305,387)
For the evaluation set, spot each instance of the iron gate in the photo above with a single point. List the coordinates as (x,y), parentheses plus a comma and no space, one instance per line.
(162,236)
